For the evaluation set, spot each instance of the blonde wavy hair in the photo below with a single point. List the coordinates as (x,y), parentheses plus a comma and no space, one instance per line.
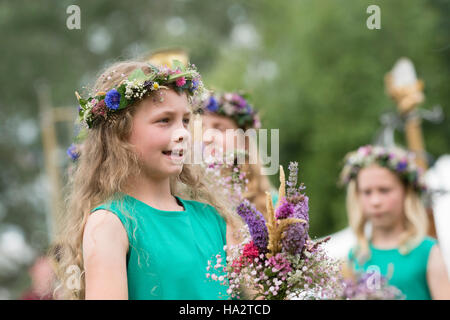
(103,170)
(416,221)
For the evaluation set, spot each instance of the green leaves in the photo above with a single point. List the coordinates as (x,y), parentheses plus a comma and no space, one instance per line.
(178,65)
(124,102)
(139,75)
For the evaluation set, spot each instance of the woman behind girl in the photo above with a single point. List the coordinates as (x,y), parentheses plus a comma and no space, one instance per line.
(232,111)
(140,224)
(384,187)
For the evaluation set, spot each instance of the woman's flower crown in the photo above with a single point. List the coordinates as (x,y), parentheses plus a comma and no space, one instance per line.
(397,160)
(136,87)
(232,105)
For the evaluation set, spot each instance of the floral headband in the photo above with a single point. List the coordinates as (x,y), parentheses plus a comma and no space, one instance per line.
(138,85)
(232,105)
(397,160)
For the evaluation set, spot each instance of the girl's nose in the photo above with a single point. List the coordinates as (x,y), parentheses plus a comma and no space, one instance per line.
(375,199)
(180,135)
(208,136)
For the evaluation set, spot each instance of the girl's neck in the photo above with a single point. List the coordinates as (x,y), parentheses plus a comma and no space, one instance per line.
(387,237)
(155,193)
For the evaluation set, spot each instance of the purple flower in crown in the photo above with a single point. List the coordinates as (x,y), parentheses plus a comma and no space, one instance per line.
(402,165)
(72,152)
(239,101)
(213,105)
(256,224)
(194,85)
(112,99)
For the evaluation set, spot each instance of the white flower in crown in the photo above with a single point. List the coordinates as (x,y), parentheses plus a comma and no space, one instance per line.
(134,89)
(228,108)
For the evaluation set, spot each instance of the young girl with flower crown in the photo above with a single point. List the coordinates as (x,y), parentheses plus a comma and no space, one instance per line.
(140,224)
(232,111)
(384,187)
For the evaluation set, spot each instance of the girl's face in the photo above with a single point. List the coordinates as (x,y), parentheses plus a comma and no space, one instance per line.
(381,195)
(216,141)
(160,133)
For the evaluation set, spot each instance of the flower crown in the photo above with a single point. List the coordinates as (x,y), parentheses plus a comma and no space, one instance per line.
(136,87)
(397,160)
(232,105)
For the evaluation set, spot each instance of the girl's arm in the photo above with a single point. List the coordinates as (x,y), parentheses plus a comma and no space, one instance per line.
(105,245)
(437,278)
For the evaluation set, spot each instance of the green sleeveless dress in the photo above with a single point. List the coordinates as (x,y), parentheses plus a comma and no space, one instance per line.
(409,271)
(169,250)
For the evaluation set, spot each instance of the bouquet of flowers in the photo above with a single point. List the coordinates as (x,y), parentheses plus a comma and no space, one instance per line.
(277,259)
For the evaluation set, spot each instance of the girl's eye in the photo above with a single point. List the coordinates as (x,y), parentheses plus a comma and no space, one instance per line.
(165,120)
(186,121)
(384,190)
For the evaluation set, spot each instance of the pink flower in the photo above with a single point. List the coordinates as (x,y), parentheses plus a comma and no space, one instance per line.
(100,109)
(180,82)
(250,250)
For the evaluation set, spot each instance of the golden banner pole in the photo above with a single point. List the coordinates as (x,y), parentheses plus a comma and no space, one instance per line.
(48,117)
(407,91)
(49,143)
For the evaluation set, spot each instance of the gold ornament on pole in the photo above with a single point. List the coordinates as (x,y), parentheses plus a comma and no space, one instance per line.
(166,56)
(406,90)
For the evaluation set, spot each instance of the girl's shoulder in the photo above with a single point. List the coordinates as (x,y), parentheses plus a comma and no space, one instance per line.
(102,230)
(120,207)
(426,244)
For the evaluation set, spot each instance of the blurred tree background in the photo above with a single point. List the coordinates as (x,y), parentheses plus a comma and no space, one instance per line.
(313,69)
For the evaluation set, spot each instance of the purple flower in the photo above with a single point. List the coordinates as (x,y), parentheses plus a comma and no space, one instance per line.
(148,84)
(302,209)
(256,224)
(213,105)
(294,238)
(194,85)
(72,152)
(402,165)
(239,101)
(285,210)
(112,99)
